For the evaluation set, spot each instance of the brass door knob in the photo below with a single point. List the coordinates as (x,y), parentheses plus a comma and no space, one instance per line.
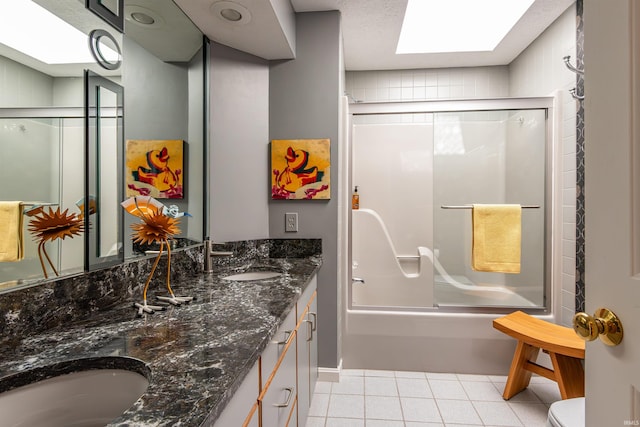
(604,324)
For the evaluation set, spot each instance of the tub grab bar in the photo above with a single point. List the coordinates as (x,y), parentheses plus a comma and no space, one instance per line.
(470,206)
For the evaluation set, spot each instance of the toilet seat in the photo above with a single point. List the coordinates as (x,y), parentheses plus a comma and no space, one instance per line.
(567,413)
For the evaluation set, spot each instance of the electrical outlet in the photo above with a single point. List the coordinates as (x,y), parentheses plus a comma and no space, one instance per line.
(291,221)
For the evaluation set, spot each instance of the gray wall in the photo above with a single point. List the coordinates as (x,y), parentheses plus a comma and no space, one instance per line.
(239,141)
(156,102)
(304,97)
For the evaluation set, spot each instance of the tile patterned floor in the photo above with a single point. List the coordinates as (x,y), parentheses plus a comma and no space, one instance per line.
(368,398)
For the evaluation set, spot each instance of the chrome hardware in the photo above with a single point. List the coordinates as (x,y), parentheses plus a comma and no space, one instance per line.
(310,330)
(357,280)
(575,95)
(315,320)
(471,207)
(570,66)
(208,254)
(603,324)
(288,401)
(287,335)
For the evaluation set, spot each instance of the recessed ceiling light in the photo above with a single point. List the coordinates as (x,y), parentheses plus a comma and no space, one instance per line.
(231,12)
(43,36)
(142,17)
(231,15)
(438,26)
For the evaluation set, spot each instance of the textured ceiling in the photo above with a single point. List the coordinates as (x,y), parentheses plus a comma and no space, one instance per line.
(371,29)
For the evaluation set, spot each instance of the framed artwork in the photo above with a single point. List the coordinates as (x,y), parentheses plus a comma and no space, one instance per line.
(300,169)
(155,168)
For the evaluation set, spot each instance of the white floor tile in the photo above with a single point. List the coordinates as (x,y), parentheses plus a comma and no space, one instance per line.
(526,395)
(420,410)
(319,405)
(379,386)
(315,422)
(472,378)
(531,414)
(498,378)
(374,398)
(444,389)
(483,391)
(410,374)
(345,422)
(378,373)
(323,387)
(547,392)
(348,385)
(416,424)
(497,414)
(382,408)
(384,423)
(346,406)
(458,412)
(352,372)
(413,387)
(439,376)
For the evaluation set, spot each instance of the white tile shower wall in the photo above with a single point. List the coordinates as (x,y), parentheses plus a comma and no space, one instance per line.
(540,71)
(22,86)
(537,71)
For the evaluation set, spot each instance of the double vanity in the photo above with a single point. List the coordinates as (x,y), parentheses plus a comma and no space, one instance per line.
(245,339)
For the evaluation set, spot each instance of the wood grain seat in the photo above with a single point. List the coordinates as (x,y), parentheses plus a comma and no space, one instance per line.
(564,347)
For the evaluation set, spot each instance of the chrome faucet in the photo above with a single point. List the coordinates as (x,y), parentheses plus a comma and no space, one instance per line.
(209,253)
(357,280)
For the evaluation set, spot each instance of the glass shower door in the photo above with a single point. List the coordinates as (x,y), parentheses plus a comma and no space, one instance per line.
(489,157)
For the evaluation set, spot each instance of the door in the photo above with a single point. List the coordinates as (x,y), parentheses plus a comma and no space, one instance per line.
(612,194)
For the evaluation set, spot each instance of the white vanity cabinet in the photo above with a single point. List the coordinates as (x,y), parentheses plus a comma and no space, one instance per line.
(277,391)
(235,413)
(307,349)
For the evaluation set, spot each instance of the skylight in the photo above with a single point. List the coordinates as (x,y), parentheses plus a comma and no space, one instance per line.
(438,26)
(34,31)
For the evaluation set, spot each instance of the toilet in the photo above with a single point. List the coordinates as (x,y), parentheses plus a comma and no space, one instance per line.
(566,413)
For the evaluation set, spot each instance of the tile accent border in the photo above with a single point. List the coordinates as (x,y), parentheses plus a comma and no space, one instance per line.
(580,147)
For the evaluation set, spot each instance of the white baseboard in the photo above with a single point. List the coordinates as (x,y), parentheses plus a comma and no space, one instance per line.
(330,374)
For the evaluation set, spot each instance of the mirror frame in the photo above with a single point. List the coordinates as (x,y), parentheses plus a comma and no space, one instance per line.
(93,83)
(115,19)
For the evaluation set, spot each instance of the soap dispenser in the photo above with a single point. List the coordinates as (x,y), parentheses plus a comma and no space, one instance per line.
(355,199)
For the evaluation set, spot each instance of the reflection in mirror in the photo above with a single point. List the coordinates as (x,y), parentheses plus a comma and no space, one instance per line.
(163,71)
(41,151)
(105,135)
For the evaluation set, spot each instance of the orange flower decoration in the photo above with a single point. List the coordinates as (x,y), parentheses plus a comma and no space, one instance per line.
(52,225)
(156,228)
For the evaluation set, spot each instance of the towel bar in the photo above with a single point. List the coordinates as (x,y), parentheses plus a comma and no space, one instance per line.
(470,206)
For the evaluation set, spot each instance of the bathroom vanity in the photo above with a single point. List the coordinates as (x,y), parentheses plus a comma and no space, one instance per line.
(237,344)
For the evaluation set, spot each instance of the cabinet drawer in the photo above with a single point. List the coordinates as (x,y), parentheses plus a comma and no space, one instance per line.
(279,397)
(276,346)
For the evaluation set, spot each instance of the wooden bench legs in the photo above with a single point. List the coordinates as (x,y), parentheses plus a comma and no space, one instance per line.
(567,372)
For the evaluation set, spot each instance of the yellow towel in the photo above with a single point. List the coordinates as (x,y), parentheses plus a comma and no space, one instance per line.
(496,238)
(11,241)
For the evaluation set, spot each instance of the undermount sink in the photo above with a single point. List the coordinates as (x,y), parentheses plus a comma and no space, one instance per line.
(253,275)
(86,398)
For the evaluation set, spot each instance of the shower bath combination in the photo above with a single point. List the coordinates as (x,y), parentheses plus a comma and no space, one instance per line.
(419,167)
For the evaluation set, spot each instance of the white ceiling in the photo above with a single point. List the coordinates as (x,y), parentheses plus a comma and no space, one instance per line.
(370,31)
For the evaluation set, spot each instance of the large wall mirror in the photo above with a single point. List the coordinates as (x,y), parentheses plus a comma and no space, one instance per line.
(42,130)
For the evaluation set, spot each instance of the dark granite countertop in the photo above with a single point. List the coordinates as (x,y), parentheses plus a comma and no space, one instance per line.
(195,355)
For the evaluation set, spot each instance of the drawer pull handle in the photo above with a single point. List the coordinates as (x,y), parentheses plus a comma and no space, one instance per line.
(309,330)
(287,335)
(315,320)
(288,401)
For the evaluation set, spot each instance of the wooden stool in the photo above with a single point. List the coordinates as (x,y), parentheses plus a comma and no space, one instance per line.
(564,347)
